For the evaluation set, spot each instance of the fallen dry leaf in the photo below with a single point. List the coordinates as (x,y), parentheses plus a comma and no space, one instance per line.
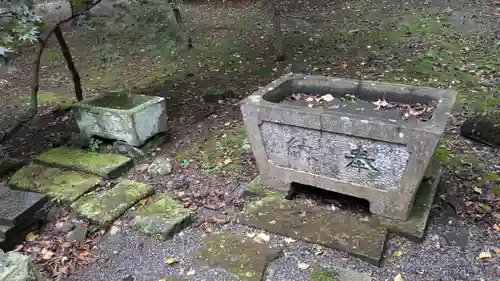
(484,255)
(497,250)
(227,161)
(327,98)
(399,278)
(289,240)
(382,104)
(251,235)
(262,238)
(171,261)
(31,237)
(496,227)
(141,168)
(46,254)
(302,265)
(318,250)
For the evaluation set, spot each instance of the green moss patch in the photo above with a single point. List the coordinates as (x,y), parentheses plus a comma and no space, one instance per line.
(163,217)
(237,254)
(97,163)
(106,206)
(332,273)
(214,154)
(317,225)
(65,186)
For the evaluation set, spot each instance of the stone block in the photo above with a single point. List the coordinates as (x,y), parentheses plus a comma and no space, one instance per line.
(130,118)
(334,273)
(317,225)
(16,206)
(103,207)
(103,164)
(61,185)
(370,154)
(237,254)
(163,217)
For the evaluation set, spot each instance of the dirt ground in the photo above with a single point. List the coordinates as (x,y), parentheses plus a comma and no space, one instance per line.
(417,42)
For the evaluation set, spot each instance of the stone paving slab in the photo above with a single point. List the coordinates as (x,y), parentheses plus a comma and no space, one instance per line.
(63,186)
(103,164)
(317,225)
(104,207)
(237,254)
(16,206)
(333,273)
(414,228)
(163,218)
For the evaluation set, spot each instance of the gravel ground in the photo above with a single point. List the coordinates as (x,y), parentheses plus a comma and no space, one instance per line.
(128,253)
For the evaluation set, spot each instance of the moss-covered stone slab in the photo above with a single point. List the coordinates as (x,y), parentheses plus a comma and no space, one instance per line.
(237,254)
(163,218)
(103,164)
(416,224)
(317,225)
(63,186)
(333,273)
(106,206)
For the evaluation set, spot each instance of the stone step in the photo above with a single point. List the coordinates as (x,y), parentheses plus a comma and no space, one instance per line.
(238,254)
(17,206)
(334,273)
(102,164)
(63,186)
(319,226)
(163,218)
(103,207)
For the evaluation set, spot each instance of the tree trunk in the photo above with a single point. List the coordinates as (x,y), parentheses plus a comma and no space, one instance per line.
(69,62)
(35,84)
(182,27)
(280,54)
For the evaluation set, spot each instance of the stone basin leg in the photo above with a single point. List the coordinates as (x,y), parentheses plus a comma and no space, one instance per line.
(390,211)
(274,183)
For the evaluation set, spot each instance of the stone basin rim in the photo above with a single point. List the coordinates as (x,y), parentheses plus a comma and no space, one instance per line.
(85,104)
(445,99)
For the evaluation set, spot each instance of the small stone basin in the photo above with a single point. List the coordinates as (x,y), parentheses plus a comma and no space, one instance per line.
(126,117)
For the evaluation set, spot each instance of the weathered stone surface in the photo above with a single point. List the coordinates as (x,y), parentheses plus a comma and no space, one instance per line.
(130,118)
(237,254)
(105,206)
(333,273)
(16,206)
(414,227)
(96,163)
(64,186)
(17,267)
(79,234)
(368,154)
(160,166)
(162,218)
(317,225)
